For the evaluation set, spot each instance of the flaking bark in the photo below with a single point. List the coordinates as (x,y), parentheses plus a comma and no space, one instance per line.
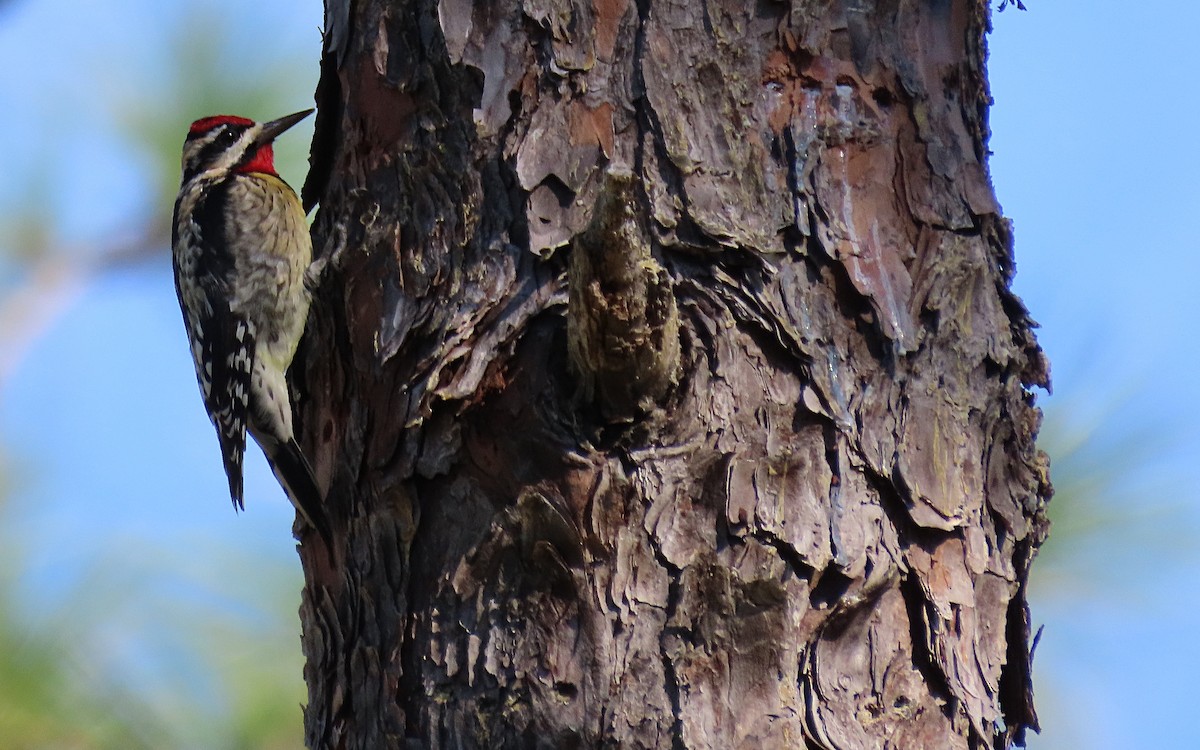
(738,452)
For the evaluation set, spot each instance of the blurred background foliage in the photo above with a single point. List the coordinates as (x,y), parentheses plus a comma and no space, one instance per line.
(135,610)
(1111,507)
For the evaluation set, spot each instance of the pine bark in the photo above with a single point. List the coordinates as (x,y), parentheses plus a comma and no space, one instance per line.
(666,380)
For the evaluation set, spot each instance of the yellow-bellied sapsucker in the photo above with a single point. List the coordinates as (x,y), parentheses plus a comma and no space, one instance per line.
(241,251)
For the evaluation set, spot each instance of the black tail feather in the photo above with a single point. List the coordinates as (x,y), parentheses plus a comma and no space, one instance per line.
(233,447)
(296,475)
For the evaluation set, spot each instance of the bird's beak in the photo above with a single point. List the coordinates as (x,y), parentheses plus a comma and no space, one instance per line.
(271,130)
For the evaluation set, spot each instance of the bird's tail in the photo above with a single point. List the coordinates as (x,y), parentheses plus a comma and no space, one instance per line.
(296,475)
(233,446)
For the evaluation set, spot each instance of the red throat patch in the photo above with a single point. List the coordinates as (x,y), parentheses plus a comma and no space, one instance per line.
(262,161)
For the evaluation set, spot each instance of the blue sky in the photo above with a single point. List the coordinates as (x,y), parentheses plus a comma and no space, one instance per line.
(1095,162)
(109,454)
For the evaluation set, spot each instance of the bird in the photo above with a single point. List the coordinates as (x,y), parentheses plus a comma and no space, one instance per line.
(240,252)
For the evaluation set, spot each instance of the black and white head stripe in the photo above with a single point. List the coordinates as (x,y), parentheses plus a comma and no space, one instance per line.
(218,144)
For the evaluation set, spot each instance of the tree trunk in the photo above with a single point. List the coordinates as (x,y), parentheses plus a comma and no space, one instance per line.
(666,380)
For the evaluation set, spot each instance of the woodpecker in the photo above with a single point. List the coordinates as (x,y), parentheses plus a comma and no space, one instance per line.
(240,252)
